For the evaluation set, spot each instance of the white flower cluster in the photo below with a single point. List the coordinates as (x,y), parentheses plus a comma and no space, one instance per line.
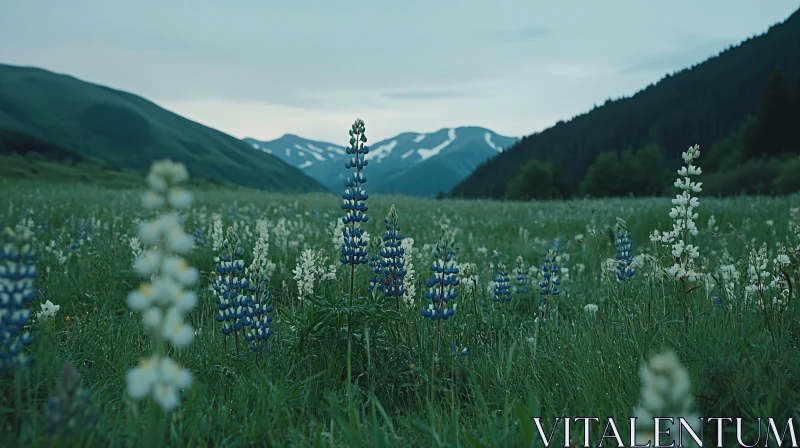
(761,280)
(729,274)
(305,273)
(779,283)
(684,217)
(61,256)
(468,278)
(757,273)
(310,270)
(281,232)
(261,262)
(338,236)
(409,282)
(136,247)
(163,302)
(217,236)
(666,392)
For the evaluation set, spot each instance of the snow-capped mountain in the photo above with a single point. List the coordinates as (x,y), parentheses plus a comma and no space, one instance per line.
(410,163)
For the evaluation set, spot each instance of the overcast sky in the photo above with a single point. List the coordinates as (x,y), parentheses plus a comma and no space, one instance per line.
(264,68)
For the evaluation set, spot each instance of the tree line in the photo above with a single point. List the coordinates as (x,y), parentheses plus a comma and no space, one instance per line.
(761,156)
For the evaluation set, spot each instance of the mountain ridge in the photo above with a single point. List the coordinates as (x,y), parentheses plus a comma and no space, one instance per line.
(396,163)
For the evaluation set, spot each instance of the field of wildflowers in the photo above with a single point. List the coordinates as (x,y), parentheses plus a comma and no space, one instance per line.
(169,317)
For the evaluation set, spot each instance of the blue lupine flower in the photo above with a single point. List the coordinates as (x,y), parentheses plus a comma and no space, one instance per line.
(259,307)
(199,236)
(376,276)
(392,264)
(17,290)
(72,405)
(354,249)
(550,281)
(624,257)
(441,286)
(522,280)
(502,284)
(230,287)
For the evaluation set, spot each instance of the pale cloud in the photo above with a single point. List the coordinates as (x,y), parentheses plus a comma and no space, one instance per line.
(262,68)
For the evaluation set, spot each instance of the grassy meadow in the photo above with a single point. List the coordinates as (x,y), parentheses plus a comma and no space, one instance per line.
(475,379)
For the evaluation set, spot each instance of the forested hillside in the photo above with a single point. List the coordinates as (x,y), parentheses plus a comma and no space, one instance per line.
(714,104)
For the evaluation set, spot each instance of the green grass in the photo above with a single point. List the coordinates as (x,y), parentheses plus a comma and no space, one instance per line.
(131,132)
(742,363)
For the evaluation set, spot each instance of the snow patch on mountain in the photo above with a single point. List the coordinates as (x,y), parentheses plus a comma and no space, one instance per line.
(428,153)
(488,137)
(313,148)
(302,151)
(379,153)
(419,138)
(407,154)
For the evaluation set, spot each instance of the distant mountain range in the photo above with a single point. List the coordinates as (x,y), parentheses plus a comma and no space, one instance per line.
(129,132)
(411,163)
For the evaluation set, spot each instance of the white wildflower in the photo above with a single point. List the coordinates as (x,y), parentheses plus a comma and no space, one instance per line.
(684,217)
(666,392)
(48,311)
(163,302)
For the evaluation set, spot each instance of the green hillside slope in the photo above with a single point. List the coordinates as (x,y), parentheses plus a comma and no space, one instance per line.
(27,158)
(702,104)
(131,132)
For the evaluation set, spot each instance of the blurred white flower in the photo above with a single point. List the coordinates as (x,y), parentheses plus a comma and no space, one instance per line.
(48,311)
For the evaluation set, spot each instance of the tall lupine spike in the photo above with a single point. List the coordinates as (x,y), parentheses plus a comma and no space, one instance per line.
(164,302)
(550,282)
(354,247)
(502,284)
(17,290)
(374,263)
(71,408)
(441,285)
(230,287)
(684,217)
(522,277)
(354,199)
(392,260)
(624,246)
(259,331)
